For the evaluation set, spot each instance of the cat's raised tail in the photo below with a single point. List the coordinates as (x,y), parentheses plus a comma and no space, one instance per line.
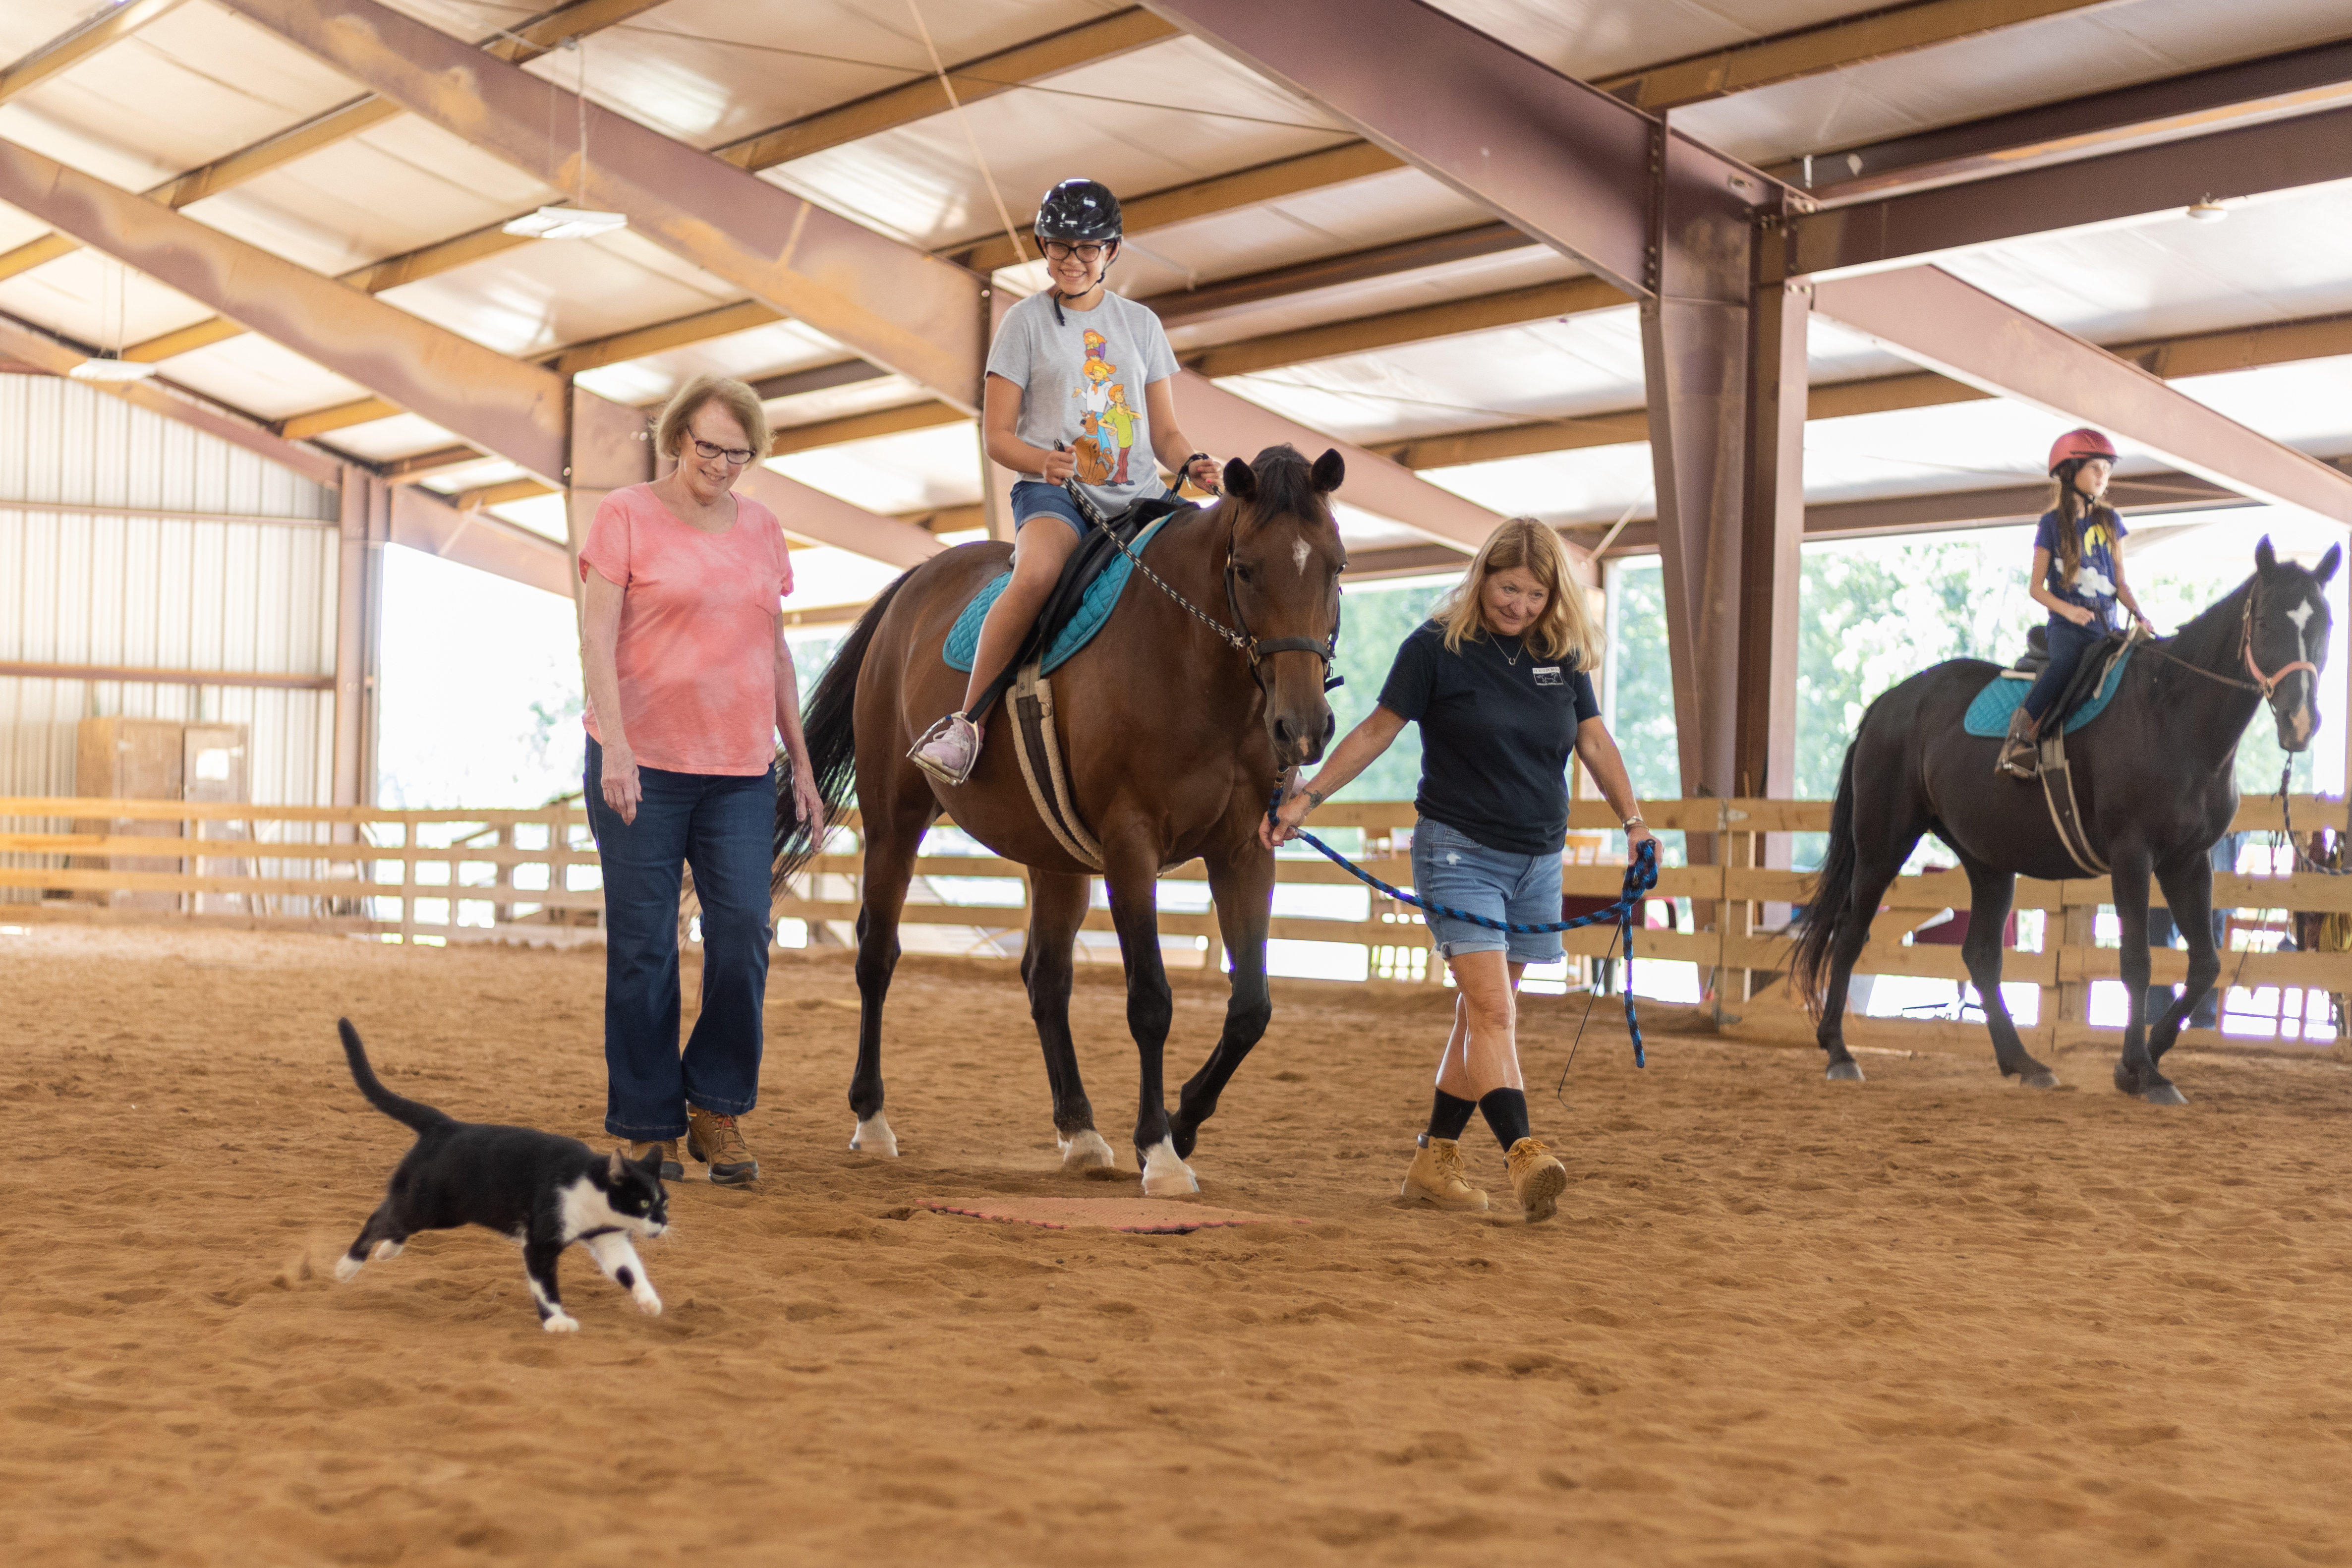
(423,1118)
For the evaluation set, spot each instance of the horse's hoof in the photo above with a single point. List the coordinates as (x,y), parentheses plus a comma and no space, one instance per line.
(1847,1071)
(1184,1135)
(2040,1078)
(2164,1094)
(874,1137)
(1086,1152)
(1165,1175)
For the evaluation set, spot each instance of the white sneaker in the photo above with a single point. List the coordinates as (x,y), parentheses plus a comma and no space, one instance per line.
(948,750)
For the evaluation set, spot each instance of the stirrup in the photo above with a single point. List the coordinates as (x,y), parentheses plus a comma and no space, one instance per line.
(945,731)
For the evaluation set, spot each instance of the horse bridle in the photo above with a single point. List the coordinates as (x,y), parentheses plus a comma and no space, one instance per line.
(1244,641)
(2266,684)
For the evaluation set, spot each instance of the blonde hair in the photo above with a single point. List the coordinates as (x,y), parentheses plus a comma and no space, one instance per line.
(669,432)
(1566,624)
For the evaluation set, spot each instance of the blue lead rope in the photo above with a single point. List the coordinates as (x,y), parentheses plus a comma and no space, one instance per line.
(1641,875)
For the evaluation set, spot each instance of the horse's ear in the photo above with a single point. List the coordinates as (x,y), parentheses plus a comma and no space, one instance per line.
(1241,481)
(2327,563)
(2265,558)
(1330,469)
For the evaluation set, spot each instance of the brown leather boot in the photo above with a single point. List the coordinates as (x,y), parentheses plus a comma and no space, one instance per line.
(1437,1178)
(718,1142)
(670,1169)
(1537,1178)
(2017,752)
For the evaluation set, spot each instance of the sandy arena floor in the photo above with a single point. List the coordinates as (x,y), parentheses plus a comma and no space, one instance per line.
(1930,1319)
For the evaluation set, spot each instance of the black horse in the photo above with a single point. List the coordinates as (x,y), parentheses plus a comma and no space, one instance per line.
(2156,780)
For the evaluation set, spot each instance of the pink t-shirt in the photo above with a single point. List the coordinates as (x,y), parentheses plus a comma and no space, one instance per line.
(697,641)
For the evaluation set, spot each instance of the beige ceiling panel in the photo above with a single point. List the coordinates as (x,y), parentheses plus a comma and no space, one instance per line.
(255,374)
(1205,115)
(913,471)
(381,440)
(772,350)
(538,297)
(26,25)
(93,300)
(403,185)
(193,84)
(2015,67)
(839,401)
(1429,286)
(1588,38)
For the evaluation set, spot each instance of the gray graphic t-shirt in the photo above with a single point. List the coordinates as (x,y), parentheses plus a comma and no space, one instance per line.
(1082,381)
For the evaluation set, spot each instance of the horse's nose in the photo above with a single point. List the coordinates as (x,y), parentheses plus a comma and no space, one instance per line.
(1286,734)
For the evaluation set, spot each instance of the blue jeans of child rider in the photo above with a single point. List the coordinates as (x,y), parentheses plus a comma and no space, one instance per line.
(1450,867)
(723,825)
(2068,643)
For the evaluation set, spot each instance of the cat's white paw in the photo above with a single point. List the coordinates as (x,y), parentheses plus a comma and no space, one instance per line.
(561,1322)
(347,1267)
(647,1302)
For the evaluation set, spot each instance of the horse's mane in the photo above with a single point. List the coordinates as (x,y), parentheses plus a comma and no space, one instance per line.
(1285,483)
(2209,638)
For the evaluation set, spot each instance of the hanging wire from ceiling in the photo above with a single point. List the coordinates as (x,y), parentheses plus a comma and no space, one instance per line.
(939,67)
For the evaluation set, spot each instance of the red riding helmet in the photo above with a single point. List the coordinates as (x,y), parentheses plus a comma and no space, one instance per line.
(2085,443)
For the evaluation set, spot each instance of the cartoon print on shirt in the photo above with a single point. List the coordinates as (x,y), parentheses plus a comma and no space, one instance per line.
(1121,420)
(1095,402)
(2089,580)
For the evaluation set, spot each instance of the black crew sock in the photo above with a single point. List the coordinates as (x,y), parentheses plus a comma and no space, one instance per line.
(1449,1116)
(1506,1110)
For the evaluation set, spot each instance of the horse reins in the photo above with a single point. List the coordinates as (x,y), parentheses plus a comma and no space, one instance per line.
(1244,641)
(2265,684)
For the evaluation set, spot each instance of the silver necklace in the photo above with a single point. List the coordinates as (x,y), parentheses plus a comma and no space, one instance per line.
(1510,659)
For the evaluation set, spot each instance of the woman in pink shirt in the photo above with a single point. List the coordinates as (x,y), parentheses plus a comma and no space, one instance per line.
(690,683)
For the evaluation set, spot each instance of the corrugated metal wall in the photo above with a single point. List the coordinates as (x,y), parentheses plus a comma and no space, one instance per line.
(251,597)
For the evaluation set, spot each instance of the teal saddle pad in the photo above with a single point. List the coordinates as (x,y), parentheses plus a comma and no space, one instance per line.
(1094,607)
(1989,714)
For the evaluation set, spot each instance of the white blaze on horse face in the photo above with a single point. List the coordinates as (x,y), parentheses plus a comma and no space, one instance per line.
(1298,553)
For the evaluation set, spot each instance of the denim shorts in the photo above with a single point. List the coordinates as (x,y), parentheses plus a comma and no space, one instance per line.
(1450,867)
(1034,498)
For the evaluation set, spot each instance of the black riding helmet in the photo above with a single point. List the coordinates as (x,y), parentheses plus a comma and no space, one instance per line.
(1077,212)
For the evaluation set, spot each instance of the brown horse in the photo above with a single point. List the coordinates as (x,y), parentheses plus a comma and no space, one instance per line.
(1175,735)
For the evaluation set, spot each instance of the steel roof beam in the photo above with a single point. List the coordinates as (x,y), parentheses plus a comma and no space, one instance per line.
(423,521)
(2197,102)
(810,514)
(894,305)
(157,395)
(1934,319)
(514,410)
(2280,154)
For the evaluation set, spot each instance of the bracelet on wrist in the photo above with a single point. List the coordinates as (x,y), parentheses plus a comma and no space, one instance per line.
(1634,821)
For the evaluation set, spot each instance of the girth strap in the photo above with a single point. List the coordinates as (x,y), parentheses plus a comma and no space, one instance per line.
(2058,789)
(1039,751)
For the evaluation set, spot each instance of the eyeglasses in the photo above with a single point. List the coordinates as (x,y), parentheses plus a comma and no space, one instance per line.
(739,455)
(1090,254)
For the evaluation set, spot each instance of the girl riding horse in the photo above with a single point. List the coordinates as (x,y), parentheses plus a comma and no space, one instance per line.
(2078,577)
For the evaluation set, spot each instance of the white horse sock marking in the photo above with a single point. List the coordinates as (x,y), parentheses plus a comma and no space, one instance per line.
(874,1137)
(1086,1152)
(1165,1175)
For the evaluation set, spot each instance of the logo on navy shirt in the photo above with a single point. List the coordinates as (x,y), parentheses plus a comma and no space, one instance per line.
(1548,675)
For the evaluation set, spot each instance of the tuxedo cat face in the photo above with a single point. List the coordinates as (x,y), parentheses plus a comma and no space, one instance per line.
(631,1195)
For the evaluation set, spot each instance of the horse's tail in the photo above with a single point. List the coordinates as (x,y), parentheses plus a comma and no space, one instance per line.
(830,723)
(1833,891)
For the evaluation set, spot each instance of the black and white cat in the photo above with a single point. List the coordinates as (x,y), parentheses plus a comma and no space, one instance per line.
(537,1189)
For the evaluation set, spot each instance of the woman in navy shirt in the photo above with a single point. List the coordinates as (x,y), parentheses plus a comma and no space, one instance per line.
(2078,577)
(1497,680)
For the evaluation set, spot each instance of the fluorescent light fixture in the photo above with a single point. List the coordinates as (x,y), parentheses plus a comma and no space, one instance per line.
(566,223)
(110,371)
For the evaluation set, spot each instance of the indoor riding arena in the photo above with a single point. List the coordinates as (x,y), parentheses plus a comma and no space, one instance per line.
(448,449)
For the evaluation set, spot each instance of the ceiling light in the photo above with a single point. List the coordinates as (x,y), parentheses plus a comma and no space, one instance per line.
(566,223)
(110,371)
(2208,210)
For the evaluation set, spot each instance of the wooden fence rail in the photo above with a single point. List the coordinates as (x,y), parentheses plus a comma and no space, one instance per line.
(533,875)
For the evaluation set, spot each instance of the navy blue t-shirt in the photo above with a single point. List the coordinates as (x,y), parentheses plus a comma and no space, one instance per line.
(2094,584)
(1496,726)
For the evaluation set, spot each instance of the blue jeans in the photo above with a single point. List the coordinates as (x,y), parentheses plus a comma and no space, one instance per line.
(723,825)
(2068,643)
(1450,867)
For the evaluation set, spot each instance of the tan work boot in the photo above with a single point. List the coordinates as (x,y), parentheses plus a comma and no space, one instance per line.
(718,1142)
(1436,1177)
(1537,1178)
(2017,751)
(670,1169)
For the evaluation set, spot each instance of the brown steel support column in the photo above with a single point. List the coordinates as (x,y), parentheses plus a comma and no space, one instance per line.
(610,447)
(358,639)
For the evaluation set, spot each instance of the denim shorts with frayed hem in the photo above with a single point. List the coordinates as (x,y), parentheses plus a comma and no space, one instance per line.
(1450,867)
